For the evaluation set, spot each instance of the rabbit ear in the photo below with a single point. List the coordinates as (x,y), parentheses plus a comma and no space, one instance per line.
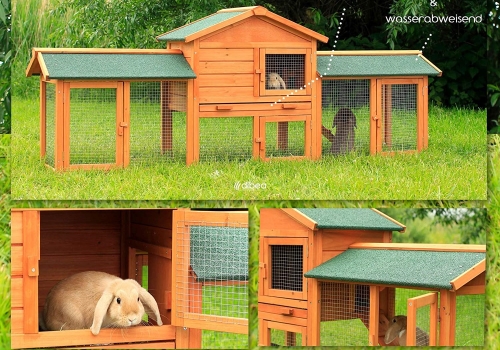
(282,82)
(100,311)
(393,331)
(150,305)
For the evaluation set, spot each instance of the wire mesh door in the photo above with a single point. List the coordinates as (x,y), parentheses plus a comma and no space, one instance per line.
(400,115)
(211,275)
(50,124)
(285,137)
(345,116)
(426,334)
(94,112)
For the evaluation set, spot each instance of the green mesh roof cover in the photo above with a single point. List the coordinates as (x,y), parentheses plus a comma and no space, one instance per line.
(181,33)
(406,268)
(361,219)
(219,253)
(351,66)
(117,66)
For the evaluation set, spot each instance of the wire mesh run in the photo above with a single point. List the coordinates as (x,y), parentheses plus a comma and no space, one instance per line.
(285,71)
(423,313)
(213,266)
(222,340)
(285,139)
(50,123)
(92,125)
(470,320)
(287,267)
(345,314)
(226,139)
(284,338)
(157,121)
(345,116)
(399,117)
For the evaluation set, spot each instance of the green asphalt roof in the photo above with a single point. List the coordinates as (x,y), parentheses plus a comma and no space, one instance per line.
(181,33)
(343,218)
(219,253)
(351,66)
(405,268)
(117,66)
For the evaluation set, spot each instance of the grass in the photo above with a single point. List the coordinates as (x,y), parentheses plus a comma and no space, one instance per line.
(4,241)
(452,168)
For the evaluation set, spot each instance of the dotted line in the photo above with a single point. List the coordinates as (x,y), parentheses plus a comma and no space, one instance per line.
(423,47)
(329,63)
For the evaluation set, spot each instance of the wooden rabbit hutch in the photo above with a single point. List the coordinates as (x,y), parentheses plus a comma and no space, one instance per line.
(243,83)
(332,277)
(197,270)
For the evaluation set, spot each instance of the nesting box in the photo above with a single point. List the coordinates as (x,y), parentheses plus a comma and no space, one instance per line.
(243,83)
(190,258)
(332,277)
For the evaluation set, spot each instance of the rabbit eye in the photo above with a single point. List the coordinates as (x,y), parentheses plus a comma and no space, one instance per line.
(137,299)
(118,300)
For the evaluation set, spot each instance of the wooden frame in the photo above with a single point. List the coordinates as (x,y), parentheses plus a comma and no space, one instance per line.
(415,303)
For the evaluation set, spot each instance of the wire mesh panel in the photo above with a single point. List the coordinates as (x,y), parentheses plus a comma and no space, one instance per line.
(223,340)
(226,139)
(213,265)
(287,267)
(470,320)
(285,71)
(345,314)
(50,123)
(423,314)
(285,139)
(399,117)
(345,116)
(157,121)
(284,338)
(92,125)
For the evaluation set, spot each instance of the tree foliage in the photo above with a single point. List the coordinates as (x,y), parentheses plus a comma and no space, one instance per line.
(5,63)
(493,47)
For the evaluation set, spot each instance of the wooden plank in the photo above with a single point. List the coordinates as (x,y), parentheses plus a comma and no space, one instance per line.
(157,217)
(108,51)
(264,333)
(283,319)
(142,345)
(225,67)
(16,266)
(286,118)
(93,84)
(152,234)
(209,80)
(31,257)
(62,126)
(214,98)
(124,159)
(282,310)
(425,112)
(223,93)
(151,248)
(300,304)
(179,270)
(390,219)
(274,219)
(83,219)
(288,328)
(160,284)
(85,337)
(58,267)
(219,26)
(472,248)
(344,239)
(304,232)
(374,116)
(256,45)
(369,52)
(16,292)
(216,323)
(16,227)
(16,322)
(95,242)
(445,315)
(124,248)
(256,114)
(229,55)
(43,118)
(301,218)
(217,217)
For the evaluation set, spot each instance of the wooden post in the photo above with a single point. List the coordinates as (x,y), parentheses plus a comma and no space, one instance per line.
(387,93)
(264,333)
(283,135)
(374,315)
(425,112)
(447,317)
(62,117)
(375,102)
(31,258)
(166,116)
(43,117)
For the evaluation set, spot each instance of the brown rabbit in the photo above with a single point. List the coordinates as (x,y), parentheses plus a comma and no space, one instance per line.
(275,82)
(345,124)
(397,330)
(97,300)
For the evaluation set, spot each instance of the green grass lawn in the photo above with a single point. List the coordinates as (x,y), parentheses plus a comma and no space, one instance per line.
(454,167)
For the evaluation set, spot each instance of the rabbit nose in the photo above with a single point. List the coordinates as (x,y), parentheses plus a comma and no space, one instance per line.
(132,320)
